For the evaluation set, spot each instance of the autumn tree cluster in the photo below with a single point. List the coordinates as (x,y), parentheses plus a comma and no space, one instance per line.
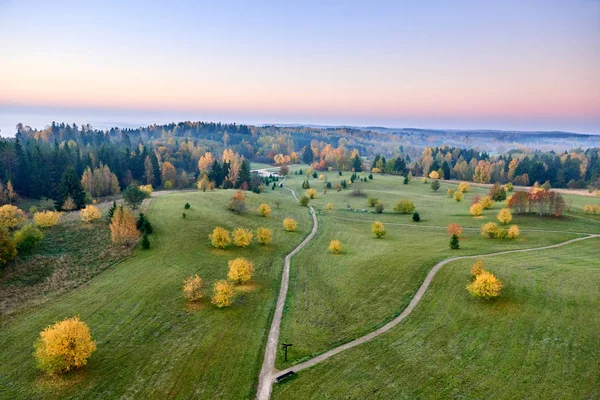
(484,285)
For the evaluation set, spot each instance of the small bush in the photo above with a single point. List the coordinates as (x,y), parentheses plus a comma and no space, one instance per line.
(378,229)
(264,210)
(11,216)
(477,268)
(379,208)
(237,203)
(220,238)
(497,192)
(187,206)
(371,201)
(450,192)
(145,242)
(485,286)
(183,215)
(513,232)
(242,237)
(46,219)
(505,216)
(458,196)
(289,224)
(64,346)
(404,206)
(90,214)
(509,187)
(490,230)
(304,200)
(435,185)
(264,236)
(28,237)
(486,202)
(335,246)
(454,242)
(476,210)
(455,229)
(416,217)
(464,187)
(192,288)
(329,207)
(8,247)
(240,270)
(222,294)
(424,181)
(311,193)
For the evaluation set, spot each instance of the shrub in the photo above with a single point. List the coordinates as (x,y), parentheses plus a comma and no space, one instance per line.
(8,247)
(11,216)
(379,208)
(46,219)
(222,294)
(220,238)
(450,192)
(183,215)
(406,180)
(371,201)
(123,229)
(454,242)
(509,187)
(485,286)
(458,196)
(305,185)
(145,242)
(513,232)
(311,193)
(486,202)
(370,177)
(111,211)
(505,216)
(64,346)
(502,234)
(416,217)
(237,203)
(69,204)
(143,224)
(424,181)
(455,229)
(147,189)
(435,185)
(490,230)
(477,268)
(289,224)
(304,201)
(264,236)
(28,237)
(434,175)
(476,209)
(329,207)
(192,288)
(90,214)
(328,185)
(497,192)
(378,229)
(240,270)
(464,187)
(242,237)
(134,196)
(591,208)
(264,210)
(404,206)
(335,246)
(187,206)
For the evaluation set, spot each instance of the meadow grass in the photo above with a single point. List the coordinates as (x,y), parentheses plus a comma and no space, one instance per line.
(151,344)
(539,340)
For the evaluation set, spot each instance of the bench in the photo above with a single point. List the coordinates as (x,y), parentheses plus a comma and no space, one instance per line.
(284,376)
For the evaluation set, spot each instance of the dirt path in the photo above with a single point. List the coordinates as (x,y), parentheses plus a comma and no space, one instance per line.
(413,303)
(267,371)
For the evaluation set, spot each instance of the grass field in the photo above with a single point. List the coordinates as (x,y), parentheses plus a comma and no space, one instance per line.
(538,341)
(150,345)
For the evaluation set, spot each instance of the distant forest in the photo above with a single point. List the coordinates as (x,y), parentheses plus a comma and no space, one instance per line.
(183,154)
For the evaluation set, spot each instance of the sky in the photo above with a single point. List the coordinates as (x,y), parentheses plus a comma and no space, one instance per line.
(529,65)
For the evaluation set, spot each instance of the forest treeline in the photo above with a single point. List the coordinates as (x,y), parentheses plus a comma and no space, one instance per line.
(183,154)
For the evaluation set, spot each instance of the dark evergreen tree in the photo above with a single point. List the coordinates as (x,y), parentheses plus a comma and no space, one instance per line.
(70,186)
(307,155)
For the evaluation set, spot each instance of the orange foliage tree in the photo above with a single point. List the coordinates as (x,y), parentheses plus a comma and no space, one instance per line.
(192,288)
(123,229)
(455,229)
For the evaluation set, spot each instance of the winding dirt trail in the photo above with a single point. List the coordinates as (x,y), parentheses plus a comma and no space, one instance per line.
(413,303)
(267,371)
